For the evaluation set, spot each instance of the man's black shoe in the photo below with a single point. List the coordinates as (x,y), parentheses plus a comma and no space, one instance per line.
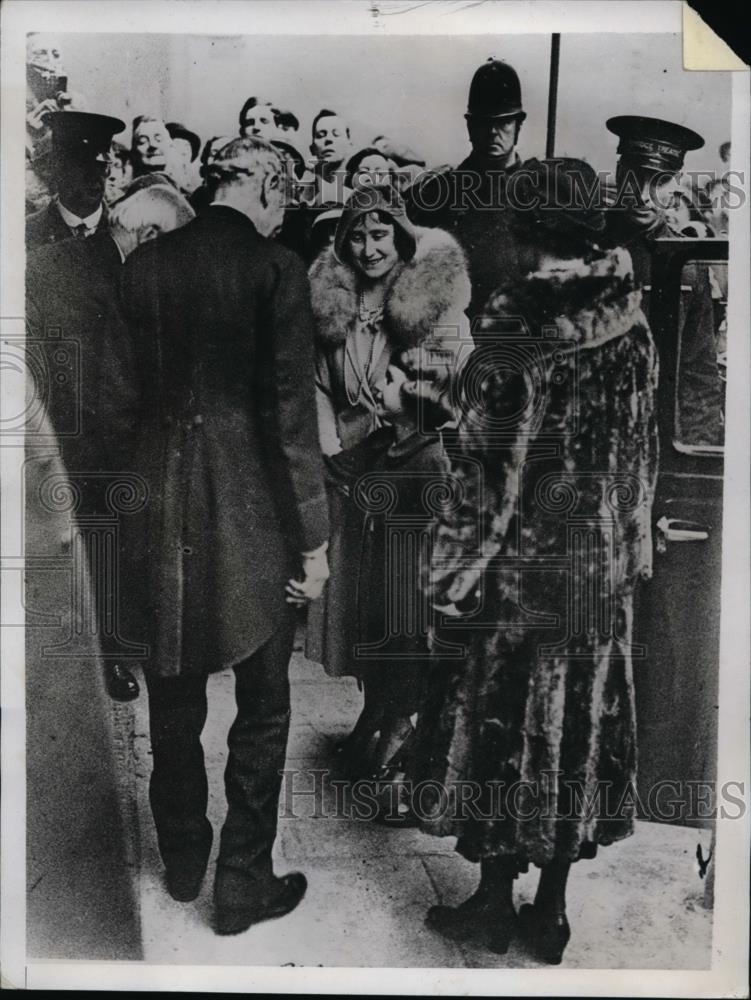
(282,898)
(184,880)
(120,683)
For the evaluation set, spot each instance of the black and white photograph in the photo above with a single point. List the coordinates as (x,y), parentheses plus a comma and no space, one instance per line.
(375,505)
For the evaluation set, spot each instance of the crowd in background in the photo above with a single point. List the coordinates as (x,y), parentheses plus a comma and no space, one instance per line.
(323,168)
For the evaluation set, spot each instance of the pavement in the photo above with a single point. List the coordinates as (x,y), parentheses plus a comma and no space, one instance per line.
(638,905)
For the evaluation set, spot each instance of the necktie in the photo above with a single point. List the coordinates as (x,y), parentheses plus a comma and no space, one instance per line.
(81,231)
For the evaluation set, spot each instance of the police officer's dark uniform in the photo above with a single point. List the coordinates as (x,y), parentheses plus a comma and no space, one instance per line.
(80,151)
(652,149)
(470,200)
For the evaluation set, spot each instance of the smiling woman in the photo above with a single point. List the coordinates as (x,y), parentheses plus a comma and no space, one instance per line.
(384,285)
(371,246)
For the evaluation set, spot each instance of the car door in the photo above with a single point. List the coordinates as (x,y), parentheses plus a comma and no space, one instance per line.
(677,614)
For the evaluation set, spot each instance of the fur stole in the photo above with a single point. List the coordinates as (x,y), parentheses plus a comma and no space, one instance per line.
(588,302)
(423,291)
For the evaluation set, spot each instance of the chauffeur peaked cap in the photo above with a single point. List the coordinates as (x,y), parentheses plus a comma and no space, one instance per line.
(82,128)
(653,143)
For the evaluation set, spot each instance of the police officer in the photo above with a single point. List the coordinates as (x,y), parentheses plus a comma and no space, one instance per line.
(80,163)
(651,153)
(471,200)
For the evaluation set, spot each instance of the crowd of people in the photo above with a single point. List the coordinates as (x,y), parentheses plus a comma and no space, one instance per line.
(321,371)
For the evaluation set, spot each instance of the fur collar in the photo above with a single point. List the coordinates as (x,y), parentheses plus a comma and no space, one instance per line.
(588,302)
(423,290)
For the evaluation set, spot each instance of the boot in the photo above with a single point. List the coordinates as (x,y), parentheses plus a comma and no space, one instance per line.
(544,924)
(487,917)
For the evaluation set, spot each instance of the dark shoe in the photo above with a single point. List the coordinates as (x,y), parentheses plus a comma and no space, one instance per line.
(547,933)
(352,756)
(184,880)
(185,872)
(479,919)
(277,901)
(120,683)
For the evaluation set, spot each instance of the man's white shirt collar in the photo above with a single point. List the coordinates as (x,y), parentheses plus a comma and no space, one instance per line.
(73,221)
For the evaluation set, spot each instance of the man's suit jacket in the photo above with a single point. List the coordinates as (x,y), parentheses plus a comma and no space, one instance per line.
(47,227)
(223,338)
(79,347)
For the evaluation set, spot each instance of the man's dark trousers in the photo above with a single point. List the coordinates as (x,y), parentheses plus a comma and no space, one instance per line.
(257,748)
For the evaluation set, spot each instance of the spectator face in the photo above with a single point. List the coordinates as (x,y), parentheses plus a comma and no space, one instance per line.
(492,138)
(388,394)
(182,152)
(717,215)
(286,127)
(678,212)
(119,177)
(44,55)
(152,145)
(371,246)
(330,140)
(372,170)
(180,162)
(259,121)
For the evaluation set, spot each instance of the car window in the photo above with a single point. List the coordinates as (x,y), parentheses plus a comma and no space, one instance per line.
(701,356)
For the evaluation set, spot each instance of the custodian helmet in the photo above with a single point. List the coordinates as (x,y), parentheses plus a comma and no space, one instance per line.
(495,92)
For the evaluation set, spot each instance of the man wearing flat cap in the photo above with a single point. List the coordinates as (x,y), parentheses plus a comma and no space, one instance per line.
(80,163)
(471,200)
(651,153)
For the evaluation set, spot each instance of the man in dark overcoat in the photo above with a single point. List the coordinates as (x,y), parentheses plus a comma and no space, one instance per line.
(471,201)
(77,335)
(80,156)
(222,329)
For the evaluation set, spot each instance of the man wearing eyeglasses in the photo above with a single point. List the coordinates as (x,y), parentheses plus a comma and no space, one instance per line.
(236,524)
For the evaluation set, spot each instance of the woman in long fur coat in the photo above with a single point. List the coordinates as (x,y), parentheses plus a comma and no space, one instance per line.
(383,286)
(528,743)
